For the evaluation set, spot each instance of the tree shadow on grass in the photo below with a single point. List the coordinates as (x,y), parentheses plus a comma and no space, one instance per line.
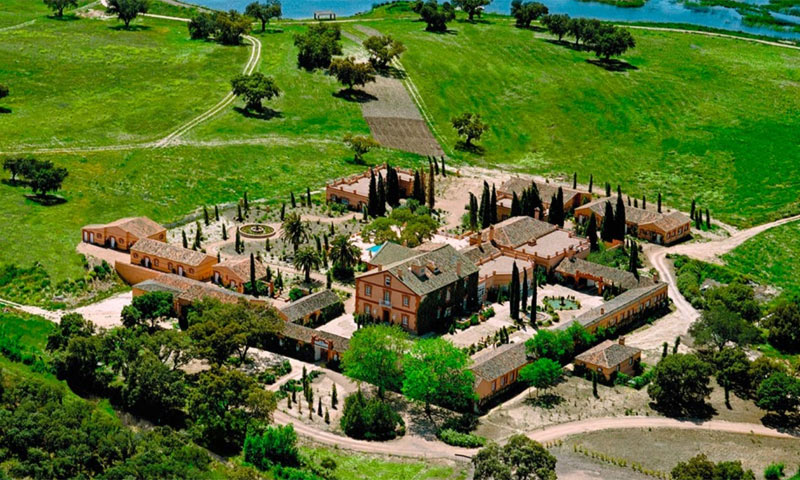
(546,401)
(13,183)
(132,28)
(475,21)
(46,200)
(67,17)
(532,28)
(4,110)
(471,148)
(393,72)
(566,44)
(703,411)
(354,95)
(263,114)
(789,423)
(612,65)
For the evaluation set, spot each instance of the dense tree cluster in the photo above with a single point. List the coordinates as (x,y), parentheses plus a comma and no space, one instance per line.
(561,345)
(318,45)
(520,458)
(680,384)
(527,12)
(41,175)
(604,39)
(413,222)
(700,467)
(226,27)
(783,325)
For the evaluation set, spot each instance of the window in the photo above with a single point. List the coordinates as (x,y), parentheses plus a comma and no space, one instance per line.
(503,381)
(155,262)
(405,300)
(367,309)
(387,297)
(387,280)
(447,296)
(405,320)
(630,361)
(368,290)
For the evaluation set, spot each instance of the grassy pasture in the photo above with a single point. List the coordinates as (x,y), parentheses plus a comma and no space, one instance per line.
(696,116)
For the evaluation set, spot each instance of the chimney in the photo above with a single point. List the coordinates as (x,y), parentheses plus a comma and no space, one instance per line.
(602,311)
(622,340)
(380,268)
(458,268)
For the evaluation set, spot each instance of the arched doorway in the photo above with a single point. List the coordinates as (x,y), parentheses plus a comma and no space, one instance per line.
(180,270)
(113,242)
(146,262)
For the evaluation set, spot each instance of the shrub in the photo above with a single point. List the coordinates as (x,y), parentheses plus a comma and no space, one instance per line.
(370,418)
(774,471)
(296,294)
(458,439)
(275,446)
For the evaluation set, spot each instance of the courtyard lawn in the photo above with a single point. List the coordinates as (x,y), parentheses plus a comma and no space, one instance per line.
(771,258)
(307,105)
(696,116)
(88,82)
(164,184)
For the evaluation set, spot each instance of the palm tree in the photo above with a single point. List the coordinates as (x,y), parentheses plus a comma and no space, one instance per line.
(294,230)
(343,252)
(305,259)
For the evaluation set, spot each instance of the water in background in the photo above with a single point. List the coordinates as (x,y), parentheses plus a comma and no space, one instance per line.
(663,11)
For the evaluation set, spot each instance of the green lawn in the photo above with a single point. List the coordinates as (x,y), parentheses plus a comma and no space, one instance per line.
(88,82)
(354,466)
(15,12)
(701,117)
(164,184)
(307,104)
(772,257)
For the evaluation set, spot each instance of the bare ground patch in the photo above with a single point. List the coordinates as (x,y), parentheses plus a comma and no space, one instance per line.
(404,134)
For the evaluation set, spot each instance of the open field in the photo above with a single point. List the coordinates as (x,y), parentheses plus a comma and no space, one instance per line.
(688,119)
(15,12)
(771,257)
(164,184)
(662,448)
(106,85)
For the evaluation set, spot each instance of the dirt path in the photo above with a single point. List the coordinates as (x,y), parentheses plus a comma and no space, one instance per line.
(555,432)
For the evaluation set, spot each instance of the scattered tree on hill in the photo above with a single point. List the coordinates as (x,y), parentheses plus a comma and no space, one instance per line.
(318,45)
(470,126)
(202,26)
(608,231)
(779,393)
(3,91)
(306,259)
(382,49)
(127,10)
(360,145)
(58,6)
(718,326)
(520,458)
(294,230)
(680,384)
(527,12)
(264,12)
(254,88)
(351,73)
(375,355)
(471,7)
(701,468)
(612,41)
(230,26)
(556,214)
(434,15)
(783,326)
(558,25)
(45,178)
(732,367)
(435,372)
(19,166)
(542,374)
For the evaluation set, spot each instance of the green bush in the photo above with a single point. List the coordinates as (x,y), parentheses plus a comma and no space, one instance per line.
(774,471)
(458,439)
(296,294)
(370,418)
(275,446)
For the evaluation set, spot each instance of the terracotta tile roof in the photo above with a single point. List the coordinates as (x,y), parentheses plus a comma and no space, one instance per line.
(430,271)
(665,221)
(170,252)
(499,361)
(309,304)
(139,226)
(391,252)
(304,334)
(479,254)
(241,267)
(516,231)
(611,276)
(613,306)
(608,354)
(546,190)
(188,289)
(671,221)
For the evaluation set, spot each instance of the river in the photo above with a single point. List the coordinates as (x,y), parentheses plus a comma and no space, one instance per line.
(661,11)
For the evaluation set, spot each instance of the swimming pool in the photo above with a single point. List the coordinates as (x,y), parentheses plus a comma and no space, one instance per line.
(374,249)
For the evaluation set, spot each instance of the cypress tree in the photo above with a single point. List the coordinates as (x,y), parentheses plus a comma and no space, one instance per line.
(644,201)
(365,213)
(372,196)
(325,241)
(333,232)
(436,165)
(328,279)
(635,202)
(708,220)
(292,199)
(319,407)
(267,245)
(619,219)
(318,243)
(515,208)
(381,195)
(608,189)
(561,213)
(591,232)
(253,285)
(607,232)
(431,190)
(185,241)
(513,294)
(198,235)
(575,180)
(216,213)
(392,187)
(473,212)
(493,206)
(524,302)
(664,350)
(283,210)
(594,384)
(246,203)
(224,232)
(422,186)
(691,214)
(534,294)
(205,215)
(676,345)
(416,191)
(555,214)
(444,171)
(238,242)
(629,200)
(486,218)
(239,216)
(698,221)
(334,397)
(591,183)
(308,196)
(279,281)
(219,258)
(633,265)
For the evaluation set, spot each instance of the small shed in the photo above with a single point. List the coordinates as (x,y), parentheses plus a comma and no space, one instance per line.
(324,15)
